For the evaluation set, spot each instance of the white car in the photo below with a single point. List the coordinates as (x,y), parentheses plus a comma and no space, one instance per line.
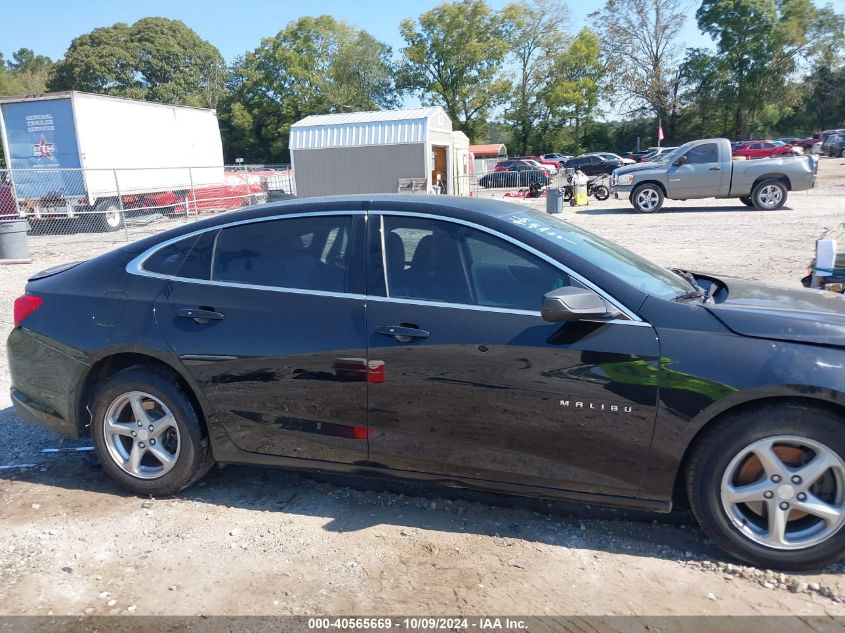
(543,167)
(612,156)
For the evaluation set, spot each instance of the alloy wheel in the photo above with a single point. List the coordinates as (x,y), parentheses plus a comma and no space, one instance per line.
(648,199)
(141,435)
(785,492)
(770,196)
(112,217)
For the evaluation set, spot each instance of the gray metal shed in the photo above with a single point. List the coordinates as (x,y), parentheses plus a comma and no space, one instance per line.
(369,152)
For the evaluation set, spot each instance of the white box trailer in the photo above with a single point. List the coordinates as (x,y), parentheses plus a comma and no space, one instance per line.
(72,150)
(371,152)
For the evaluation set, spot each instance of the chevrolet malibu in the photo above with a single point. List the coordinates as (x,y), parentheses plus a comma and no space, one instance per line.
(462,341)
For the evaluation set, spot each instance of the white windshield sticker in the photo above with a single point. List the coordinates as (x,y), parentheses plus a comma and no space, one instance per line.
(538,226)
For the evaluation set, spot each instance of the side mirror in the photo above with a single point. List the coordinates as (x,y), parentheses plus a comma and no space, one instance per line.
(572,303)
(681,160)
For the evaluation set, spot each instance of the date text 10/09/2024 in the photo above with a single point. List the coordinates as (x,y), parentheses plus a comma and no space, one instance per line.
(418,623)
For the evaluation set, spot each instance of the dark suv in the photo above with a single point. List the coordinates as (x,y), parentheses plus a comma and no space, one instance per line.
(593,165)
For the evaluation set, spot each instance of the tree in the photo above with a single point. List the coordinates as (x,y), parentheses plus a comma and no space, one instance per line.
(573,96)
(154,59)
(452,59)
(312,66)
(760,44)
(643,51)
(25,74)
(535,34)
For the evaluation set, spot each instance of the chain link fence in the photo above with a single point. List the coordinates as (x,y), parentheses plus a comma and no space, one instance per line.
(124,204)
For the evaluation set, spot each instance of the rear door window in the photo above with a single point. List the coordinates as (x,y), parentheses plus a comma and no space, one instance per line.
(311,253)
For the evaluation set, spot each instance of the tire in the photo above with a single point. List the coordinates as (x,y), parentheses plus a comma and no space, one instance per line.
(723,463)
(842,152)
(769,194)
(600,192)
(179,435)
(746,200)
(647,198)
(108,216)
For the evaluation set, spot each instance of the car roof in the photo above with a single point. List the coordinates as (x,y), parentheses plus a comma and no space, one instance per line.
(462,207)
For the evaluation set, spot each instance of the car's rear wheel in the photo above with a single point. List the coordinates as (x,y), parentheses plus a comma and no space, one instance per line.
(770,194)
(747,201)
(147,433)
(768,486)
(647,198)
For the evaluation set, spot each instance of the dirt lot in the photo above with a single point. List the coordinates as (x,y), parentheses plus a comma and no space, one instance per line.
(250,541)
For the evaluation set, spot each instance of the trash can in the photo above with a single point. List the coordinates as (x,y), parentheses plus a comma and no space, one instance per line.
(554,200)
(13,239)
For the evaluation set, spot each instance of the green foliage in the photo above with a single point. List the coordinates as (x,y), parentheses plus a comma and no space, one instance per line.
(25,74)
(312,66)
(535,35)
(515,75)
(453,57)
(760,44)
(155,59)
(642,49)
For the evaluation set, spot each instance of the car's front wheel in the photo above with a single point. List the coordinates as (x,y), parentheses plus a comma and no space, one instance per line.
(147,433)
(647,198)
(747,201)
(768,486)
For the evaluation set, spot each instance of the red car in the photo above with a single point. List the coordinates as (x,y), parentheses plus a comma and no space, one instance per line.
(763,149)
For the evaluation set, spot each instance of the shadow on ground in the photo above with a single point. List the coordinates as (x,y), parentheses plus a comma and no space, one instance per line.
(358,503)
(627,210)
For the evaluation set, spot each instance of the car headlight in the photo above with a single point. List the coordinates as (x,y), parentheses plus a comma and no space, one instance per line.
(624,179)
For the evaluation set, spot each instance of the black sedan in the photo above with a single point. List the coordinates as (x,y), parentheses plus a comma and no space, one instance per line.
(593,165)
(449,339)
(517,176)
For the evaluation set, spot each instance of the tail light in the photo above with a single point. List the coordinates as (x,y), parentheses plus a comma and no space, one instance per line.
(26,305)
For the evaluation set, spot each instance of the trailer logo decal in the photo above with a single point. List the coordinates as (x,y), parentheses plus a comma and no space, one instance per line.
(43,149)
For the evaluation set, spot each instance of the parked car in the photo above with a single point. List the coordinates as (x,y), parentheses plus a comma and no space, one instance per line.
(655,153)
(592,165)
(513,164)
(612,156)
(705,169)
(520,176)
(558,158)
(831,143)
(763,149)
(490,345)
(797,150)
(547,166)
(836,147)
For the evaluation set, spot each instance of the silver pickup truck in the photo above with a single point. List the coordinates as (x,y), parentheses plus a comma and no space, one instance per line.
(705,169)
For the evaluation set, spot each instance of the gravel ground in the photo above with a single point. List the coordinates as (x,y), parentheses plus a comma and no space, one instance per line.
(252,541)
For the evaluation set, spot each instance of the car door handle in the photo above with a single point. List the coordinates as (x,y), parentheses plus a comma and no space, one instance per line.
(200,315)
(402,333)
(715,169)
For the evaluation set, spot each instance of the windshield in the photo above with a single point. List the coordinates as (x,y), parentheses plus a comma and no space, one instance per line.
(614,259)
(665,157)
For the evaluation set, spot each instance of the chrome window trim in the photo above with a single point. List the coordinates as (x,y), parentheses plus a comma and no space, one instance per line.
(135,267)
(634,319)
(384,254)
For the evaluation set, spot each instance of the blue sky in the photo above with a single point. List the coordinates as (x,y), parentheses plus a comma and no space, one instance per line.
(233,26)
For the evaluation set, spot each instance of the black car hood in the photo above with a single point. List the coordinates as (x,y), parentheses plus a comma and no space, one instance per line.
(787,314)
